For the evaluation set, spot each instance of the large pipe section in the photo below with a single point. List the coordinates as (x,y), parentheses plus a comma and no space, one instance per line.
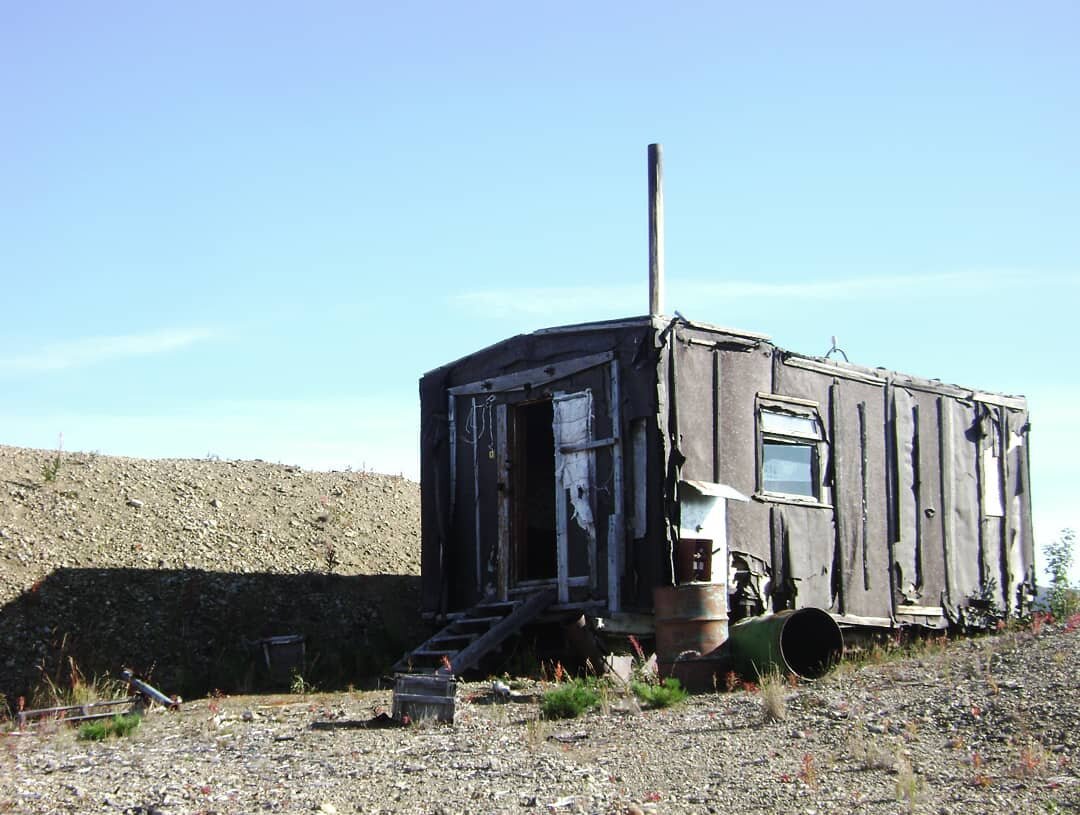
(806,642)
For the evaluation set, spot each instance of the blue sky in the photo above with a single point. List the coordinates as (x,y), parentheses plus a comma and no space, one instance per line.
(246,229)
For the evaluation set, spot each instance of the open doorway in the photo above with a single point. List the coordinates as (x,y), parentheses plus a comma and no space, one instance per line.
(533,526)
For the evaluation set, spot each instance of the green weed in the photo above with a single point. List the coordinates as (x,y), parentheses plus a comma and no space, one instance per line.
(667,693)
(51,468)
(117,727)
(299,685)
(570,700)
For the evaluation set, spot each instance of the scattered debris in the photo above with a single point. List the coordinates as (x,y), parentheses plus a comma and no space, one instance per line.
(377,722)
(141,695)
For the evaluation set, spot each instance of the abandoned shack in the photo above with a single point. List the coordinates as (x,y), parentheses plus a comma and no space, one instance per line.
(658,476)
(593,464)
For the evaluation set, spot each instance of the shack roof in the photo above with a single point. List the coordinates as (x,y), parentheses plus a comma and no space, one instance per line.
(827,366)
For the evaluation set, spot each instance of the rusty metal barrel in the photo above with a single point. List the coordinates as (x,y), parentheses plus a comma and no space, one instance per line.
(805,642)
(690,617)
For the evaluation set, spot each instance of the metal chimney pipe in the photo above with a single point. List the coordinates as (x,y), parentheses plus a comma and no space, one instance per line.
(656,229)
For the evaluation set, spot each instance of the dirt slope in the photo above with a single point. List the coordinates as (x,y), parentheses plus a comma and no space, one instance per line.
(180,566)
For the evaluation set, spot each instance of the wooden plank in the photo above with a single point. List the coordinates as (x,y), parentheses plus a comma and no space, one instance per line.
(840,520)
(1008,522)
(592,542)
(562,532)
(948,501)
(836,369)
(921,611)
(639,475)
(716,415)
(453,465)
(1001,400)
(864,476)
(892,504)
(534,377)
(584,447)
(616,538)
(478,586)
(502,466)
(526,612)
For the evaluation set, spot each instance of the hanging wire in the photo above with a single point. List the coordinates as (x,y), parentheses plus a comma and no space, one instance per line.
(836,349)
(478,423)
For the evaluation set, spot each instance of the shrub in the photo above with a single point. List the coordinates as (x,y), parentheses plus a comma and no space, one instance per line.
(1063,600)
(667,693)
(51,468)
(570,700)
(116,727)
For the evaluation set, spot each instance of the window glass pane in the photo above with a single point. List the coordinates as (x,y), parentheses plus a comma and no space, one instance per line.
(788,424)
(788,468)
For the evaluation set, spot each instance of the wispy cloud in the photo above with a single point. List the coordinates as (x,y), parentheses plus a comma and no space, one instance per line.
(627,299)
(94,350)
(543,301)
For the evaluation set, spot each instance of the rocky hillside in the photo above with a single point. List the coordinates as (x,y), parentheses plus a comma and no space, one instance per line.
(180,567)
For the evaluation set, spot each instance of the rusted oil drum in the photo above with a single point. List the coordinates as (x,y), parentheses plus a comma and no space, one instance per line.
(805,642)
(690,617)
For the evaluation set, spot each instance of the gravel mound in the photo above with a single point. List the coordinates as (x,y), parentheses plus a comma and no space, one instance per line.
(179,567)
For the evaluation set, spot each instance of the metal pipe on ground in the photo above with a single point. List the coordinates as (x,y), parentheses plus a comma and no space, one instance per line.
(806,642)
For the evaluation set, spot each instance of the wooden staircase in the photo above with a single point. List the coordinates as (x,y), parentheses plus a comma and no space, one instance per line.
(470,636)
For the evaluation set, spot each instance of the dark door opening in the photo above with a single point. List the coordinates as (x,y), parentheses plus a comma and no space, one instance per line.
(532,462)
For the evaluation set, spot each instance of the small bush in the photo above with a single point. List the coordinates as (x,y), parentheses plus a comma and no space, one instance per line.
(1063,599)
(667,693)
(116,727)
(300,686)
(570,700)
(51,468)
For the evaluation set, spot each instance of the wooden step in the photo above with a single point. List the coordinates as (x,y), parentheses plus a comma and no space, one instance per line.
(475,622)
(479,631)
(453,637)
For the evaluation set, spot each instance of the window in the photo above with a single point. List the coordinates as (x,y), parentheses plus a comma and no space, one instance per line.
(790,448)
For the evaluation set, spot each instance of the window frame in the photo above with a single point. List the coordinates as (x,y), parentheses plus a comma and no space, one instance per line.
(816,440)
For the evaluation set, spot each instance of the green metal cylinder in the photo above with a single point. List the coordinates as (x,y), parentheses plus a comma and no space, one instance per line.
(805,642)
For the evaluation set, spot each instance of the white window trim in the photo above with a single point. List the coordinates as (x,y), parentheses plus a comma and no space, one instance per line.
(771,402)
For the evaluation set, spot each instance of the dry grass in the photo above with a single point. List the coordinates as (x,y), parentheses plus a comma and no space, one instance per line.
(907,783)
(536,731)
(75,688)
(872,755)
(773,696)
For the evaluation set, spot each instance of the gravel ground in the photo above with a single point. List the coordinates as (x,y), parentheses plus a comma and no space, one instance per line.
(987,725)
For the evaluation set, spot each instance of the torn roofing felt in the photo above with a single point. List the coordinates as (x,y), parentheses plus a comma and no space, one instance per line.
(874,495)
